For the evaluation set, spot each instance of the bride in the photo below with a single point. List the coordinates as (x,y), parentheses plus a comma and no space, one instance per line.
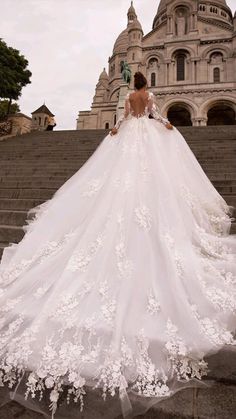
(125,279)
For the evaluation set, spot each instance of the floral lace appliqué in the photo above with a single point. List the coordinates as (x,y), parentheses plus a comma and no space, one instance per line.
(143,217)
(153,305)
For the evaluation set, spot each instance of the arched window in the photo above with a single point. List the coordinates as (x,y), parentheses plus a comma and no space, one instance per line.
(153,63)
(107,125)
(121,66)
(115,119)
(39,120)
(133,56)
(216,74)
(180,61)
(153,79)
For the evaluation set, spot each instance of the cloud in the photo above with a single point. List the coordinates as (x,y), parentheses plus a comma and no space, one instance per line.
(67,44)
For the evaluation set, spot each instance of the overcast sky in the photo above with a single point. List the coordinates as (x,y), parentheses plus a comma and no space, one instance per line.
(67,44)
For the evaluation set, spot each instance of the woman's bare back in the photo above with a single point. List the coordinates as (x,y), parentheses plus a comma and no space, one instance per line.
(138,102)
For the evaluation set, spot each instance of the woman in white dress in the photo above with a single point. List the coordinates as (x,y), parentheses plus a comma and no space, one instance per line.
(125,280)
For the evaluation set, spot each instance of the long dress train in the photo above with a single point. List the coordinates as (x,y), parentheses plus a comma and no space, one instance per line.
(125,280)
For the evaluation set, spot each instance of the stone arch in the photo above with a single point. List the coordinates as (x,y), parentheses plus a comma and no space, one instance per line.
(181,20)
(210,50)
(181,105)
(179,115)
(222,115)
(153,60)
(175,49)
(179,3)
(180,63)
(149,56)
(114,92)
(152,71)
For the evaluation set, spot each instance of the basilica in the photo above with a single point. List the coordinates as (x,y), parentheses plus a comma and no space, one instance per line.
(189,59)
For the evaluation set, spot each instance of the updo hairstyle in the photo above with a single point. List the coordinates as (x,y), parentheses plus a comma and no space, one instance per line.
(140,80)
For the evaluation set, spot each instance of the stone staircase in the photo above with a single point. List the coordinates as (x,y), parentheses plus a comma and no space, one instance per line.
(34,166)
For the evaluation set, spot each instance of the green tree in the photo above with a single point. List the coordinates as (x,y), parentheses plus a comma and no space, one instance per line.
(14,74)
(4,108)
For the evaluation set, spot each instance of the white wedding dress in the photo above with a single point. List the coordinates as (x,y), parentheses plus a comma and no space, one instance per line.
(126,278)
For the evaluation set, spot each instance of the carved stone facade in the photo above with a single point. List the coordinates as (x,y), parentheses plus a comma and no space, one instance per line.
(189,59)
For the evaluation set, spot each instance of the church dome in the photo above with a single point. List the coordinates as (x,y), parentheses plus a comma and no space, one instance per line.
(104,75)
(121,43)
(164,3)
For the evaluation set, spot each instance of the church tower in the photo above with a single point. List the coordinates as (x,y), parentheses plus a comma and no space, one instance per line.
(101,92)
(135,35)
(39,118)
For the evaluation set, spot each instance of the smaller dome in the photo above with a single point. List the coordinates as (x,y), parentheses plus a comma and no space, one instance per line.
(135,25)
(121,42)
(104,75)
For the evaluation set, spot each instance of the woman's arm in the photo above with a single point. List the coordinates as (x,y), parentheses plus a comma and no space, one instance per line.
(124,115)
(153,110)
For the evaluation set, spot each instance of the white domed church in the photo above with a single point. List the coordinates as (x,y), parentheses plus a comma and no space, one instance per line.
(189,59)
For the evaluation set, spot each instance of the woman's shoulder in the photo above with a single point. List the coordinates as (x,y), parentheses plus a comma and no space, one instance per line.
(129,95)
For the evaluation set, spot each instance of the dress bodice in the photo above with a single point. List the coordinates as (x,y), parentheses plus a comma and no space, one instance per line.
(144,108)
(141,108)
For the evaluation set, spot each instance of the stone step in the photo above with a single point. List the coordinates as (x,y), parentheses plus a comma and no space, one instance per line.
(230,199)
(233,228)
(43,194)
(59,143)
(222,178)
(52,174)
(14,233)
(31,147)
(11,234)
(32,184)
(2,246)
(56,182)
(70,166)
(19,204)
(45,191)
(13,217)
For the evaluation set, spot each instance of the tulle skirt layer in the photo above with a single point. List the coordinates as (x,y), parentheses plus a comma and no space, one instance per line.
(124,281)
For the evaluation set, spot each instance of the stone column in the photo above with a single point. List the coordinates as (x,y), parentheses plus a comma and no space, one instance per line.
(169,25)
(199,121)
(167,71)
(124,90)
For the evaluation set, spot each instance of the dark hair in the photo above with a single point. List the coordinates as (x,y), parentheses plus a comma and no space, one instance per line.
(139,80)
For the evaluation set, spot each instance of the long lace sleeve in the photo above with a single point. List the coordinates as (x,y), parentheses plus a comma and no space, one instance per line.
(125,114)
(153,110)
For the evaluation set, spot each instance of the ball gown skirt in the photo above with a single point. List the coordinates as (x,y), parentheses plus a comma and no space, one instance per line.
(125,280)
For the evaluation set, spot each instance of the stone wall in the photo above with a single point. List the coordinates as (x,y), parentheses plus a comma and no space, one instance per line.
(21,124)
(5,128)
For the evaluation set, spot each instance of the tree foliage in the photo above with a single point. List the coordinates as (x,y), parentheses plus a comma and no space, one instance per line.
(14,74)
(4,108)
